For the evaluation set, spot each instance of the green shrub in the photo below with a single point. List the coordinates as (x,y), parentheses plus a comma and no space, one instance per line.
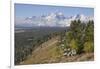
(88,47)
(74,45)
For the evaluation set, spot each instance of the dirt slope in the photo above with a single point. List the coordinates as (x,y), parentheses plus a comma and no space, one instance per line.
(44,53)
(49,52)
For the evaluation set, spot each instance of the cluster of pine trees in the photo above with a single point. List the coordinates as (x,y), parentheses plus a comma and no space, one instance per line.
(80,36)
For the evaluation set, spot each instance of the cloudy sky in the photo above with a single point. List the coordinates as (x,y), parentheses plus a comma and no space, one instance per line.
(27,10)
(54,15)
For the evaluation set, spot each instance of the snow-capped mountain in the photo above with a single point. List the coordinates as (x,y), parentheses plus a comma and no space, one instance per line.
(81,17)
(51,20)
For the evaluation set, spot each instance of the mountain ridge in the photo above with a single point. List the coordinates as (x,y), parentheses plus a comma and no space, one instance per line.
(51,20)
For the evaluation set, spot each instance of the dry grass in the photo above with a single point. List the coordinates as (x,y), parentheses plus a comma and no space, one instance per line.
(51,53)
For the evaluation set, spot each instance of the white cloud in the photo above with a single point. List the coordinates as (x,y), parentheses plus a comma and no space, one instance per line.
(51,20)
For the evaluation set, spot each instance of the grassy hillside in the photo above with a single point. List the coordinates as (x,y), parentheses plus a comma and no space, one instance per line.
(50,52)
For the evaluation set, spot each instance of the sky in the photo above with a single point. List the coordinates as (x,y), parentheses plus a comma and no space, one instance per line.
(28,10)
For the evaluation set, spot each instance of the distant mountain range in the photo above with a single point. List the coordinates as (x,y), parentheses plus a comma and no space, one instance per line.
(51,20)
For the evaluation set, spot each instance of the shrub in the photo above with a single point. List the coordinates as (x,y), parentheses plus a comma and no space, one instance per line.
(88,47)
(74,45)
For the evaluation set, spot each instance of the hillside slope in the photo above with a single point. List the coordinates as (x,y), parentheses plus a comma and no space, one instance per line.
(46,53)
(49,52)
